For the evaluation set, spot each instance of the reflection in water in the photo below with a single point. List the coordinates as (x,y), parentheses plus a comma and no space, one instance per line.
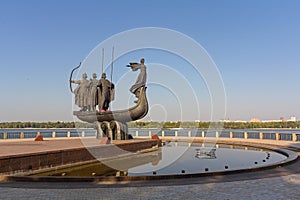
(202,158)
(204,153)
(115,167)
(176,158)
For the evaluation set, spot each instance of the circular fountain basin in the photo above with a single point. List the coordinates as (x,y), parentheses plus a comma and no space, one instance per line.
(181,158)
(173,160)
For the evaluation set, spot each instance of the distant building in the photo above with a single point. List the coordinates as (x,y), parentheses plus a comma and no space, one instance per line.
(254,120)
(225,120)
(282,119)
(271,120)
(242,121)
(292,119)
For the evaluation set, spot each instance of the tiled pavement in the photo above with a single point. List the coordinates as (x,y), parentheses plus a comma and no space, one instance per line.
(285,187)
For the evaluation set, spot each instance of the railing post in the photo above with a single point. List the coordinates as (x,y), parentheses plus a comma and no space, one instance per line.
(150,134)
(162,133)
(230,134)
(53,134)
(68,134)
(136,133)
(176,133)
(245,135)
(261,135)
(203,134)
(4,135)
(22,135)
(294,137)
(217,134)
(82,134)
(190,134)
(277,136)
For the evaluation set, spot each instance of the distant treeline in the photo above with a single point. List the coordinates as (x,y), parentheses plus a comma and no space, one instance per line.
(138,124)
(57,124)
(249,125)
(205,125)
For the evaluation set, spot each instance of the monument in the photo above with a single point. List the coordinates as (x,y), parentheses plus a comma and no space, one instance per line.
(111,124)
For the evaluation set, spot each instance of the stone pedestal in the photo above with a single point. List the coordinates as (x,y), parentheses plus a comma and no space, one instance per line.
(114,130)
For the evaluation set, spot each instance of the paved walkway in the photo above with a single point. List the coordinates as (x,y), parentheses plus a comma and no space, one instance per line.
(26,146)
(278,183)
(284,187)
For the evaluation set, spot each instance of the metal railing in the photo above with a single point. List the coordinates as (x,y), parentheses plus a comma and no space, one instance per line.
(31,133)
(147,133)
(200,133)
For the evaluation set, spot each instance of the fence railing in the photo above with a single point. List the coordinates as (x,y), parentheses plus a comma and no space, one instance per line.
(67,133)
(147,133)
(291,136)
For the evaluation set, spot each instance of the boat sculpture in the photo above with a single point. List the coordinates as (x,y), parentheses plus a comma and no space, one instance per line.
(134,113)
(113,124)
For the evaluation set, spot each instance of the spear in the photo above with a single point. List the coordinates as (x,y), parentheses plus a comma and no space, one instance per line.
(112,63)
(112,67)
(102,59)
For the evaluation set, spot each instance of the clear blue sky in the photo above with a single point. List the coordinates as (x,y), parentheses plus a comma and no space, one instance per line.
(255,45)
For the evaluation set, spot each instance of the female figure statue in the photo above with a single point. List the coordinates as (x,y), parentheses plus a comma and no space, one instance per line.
(141,80)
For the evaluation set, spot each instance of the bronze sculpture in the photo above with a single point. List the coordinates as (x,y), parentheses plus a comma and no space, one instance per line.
(113,124)
(105,93)
(93,100)
(82,92)
(142,77)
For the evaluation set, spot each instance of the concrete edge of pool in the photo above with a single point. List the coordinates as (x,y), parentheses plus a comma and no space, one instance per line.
(108,180)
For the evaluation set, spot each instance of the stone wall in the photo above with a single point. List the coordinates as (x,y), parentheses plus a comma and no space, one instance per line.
(34,161)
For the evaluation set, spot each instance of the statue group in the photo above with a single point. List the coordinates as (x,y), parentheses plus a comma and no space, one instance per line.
(93,92)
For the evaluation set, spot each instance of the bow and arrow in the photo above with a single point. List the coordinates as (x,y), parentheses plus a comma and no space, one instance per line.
(72,75)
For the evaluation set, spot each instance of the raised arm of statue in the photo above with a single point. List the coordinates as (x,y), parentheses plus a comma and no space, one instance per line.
(134,66)
(76,81)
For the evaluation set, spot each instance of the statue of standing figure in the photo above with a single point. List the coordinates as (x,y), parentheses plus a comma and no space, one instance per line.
(93,94)
(106,93)
(141,80)
(82,92)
